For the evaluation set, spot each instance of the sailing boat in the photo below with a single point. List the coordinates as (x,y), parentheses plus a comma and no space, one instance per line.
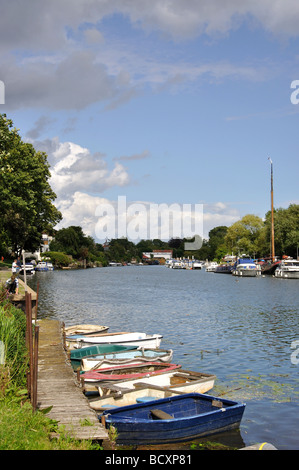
(270,266)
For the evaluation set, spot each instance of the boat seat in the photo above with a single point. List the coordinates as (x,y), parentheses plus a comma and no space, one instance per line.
(145,399)
(217,403)
(159,414)
(114,388)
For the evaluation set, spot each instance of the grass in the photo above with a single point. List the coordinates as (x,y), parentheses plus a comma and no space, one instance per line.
(21,428)
(5,274)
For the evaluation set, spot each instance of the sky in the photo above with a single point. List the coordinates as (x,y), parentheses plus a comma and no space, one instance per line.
(175,104)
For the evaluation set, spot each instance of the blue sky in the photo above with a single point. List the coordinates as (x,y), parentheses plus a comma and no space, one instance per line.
(160,102)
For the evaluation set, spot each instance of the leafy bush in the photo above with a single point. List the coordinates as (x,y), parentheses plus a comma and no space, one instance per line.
(58,258)
(14,357)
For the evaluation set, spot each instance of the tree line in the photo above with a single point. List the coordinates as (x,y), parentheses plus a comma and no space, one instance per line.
(250,235)
(28,210)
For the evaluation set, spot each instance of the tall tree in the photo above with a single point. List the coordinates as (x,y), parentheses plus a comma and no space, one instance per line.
(25,193)
(286,230)
(244,236)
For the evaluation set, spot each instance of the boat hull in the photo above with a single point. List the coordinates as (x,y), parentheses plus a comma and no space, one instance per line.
(224,270)
(193,416)
(119,395)
(176,380)
(128,372)
(125,339)
(246,272)
(286,274)
(85,329)
(76,355)
(126,357)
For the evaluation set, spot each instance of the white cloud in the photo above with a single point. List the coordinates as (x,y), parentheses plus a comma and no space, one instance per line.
(79,209)
(76,66)
(34,19)
(75,169)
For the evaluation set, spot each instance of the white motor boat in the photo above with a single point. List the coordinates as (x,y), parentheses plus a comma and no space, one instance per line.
(287,269)
(211,267)
(44,266)
(246,267)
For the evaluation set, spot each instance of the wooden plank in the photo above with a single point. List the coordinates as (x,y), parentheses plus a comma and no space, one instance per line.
(160,414)
(57,387)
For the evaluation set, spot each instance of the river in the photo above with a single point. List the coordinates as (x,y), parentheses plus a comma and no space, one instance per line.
(240,329)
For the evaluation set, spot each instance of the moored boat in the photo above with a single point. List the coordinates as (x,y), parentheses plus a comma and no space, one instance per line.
(85,329)
(224,268)
(113,394)
(188,381)
(287,269)
(116,396)
(175,419)
(196,264)
(44,266)
(246,267)
(123,338)
(29,269)
(76,355)
(269,267)
(128,372)
(211,267)
(141,355)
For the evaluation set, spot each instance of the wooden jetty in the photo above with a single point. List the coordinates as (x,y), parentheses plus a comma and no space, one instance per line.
(57,387)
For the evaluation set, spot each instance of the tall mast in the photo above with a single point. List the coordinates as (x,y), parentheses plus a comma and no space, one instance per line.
(272,214)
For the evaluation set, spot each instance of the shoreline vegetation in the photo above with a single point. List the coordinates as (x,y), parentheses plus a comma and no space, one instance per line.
(22,428)
(28,212)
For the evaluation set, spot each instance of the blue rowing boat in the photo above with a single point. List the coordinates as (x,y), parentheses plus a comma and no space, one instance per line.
(174,419)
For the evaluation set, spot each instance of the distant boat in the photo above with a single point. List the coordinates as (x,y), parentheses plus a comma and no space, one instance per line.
(29,268)
(177,382)
(287,269)
(246,267)
(224,269)
(127,339)
(175,419)
(44,266)
(269,267)
(141,355)
(196,264)
(211,267)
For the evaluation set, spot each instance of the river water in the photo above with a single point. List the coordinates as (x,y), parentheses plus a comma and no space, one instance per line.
(240,329)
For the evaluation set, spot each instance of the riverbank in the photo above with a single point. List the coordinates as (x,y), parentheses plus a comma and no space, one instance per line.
(22,428)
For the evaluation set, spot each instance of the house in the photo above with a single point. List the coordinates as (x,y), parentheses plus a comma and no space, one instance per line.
(157,255)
